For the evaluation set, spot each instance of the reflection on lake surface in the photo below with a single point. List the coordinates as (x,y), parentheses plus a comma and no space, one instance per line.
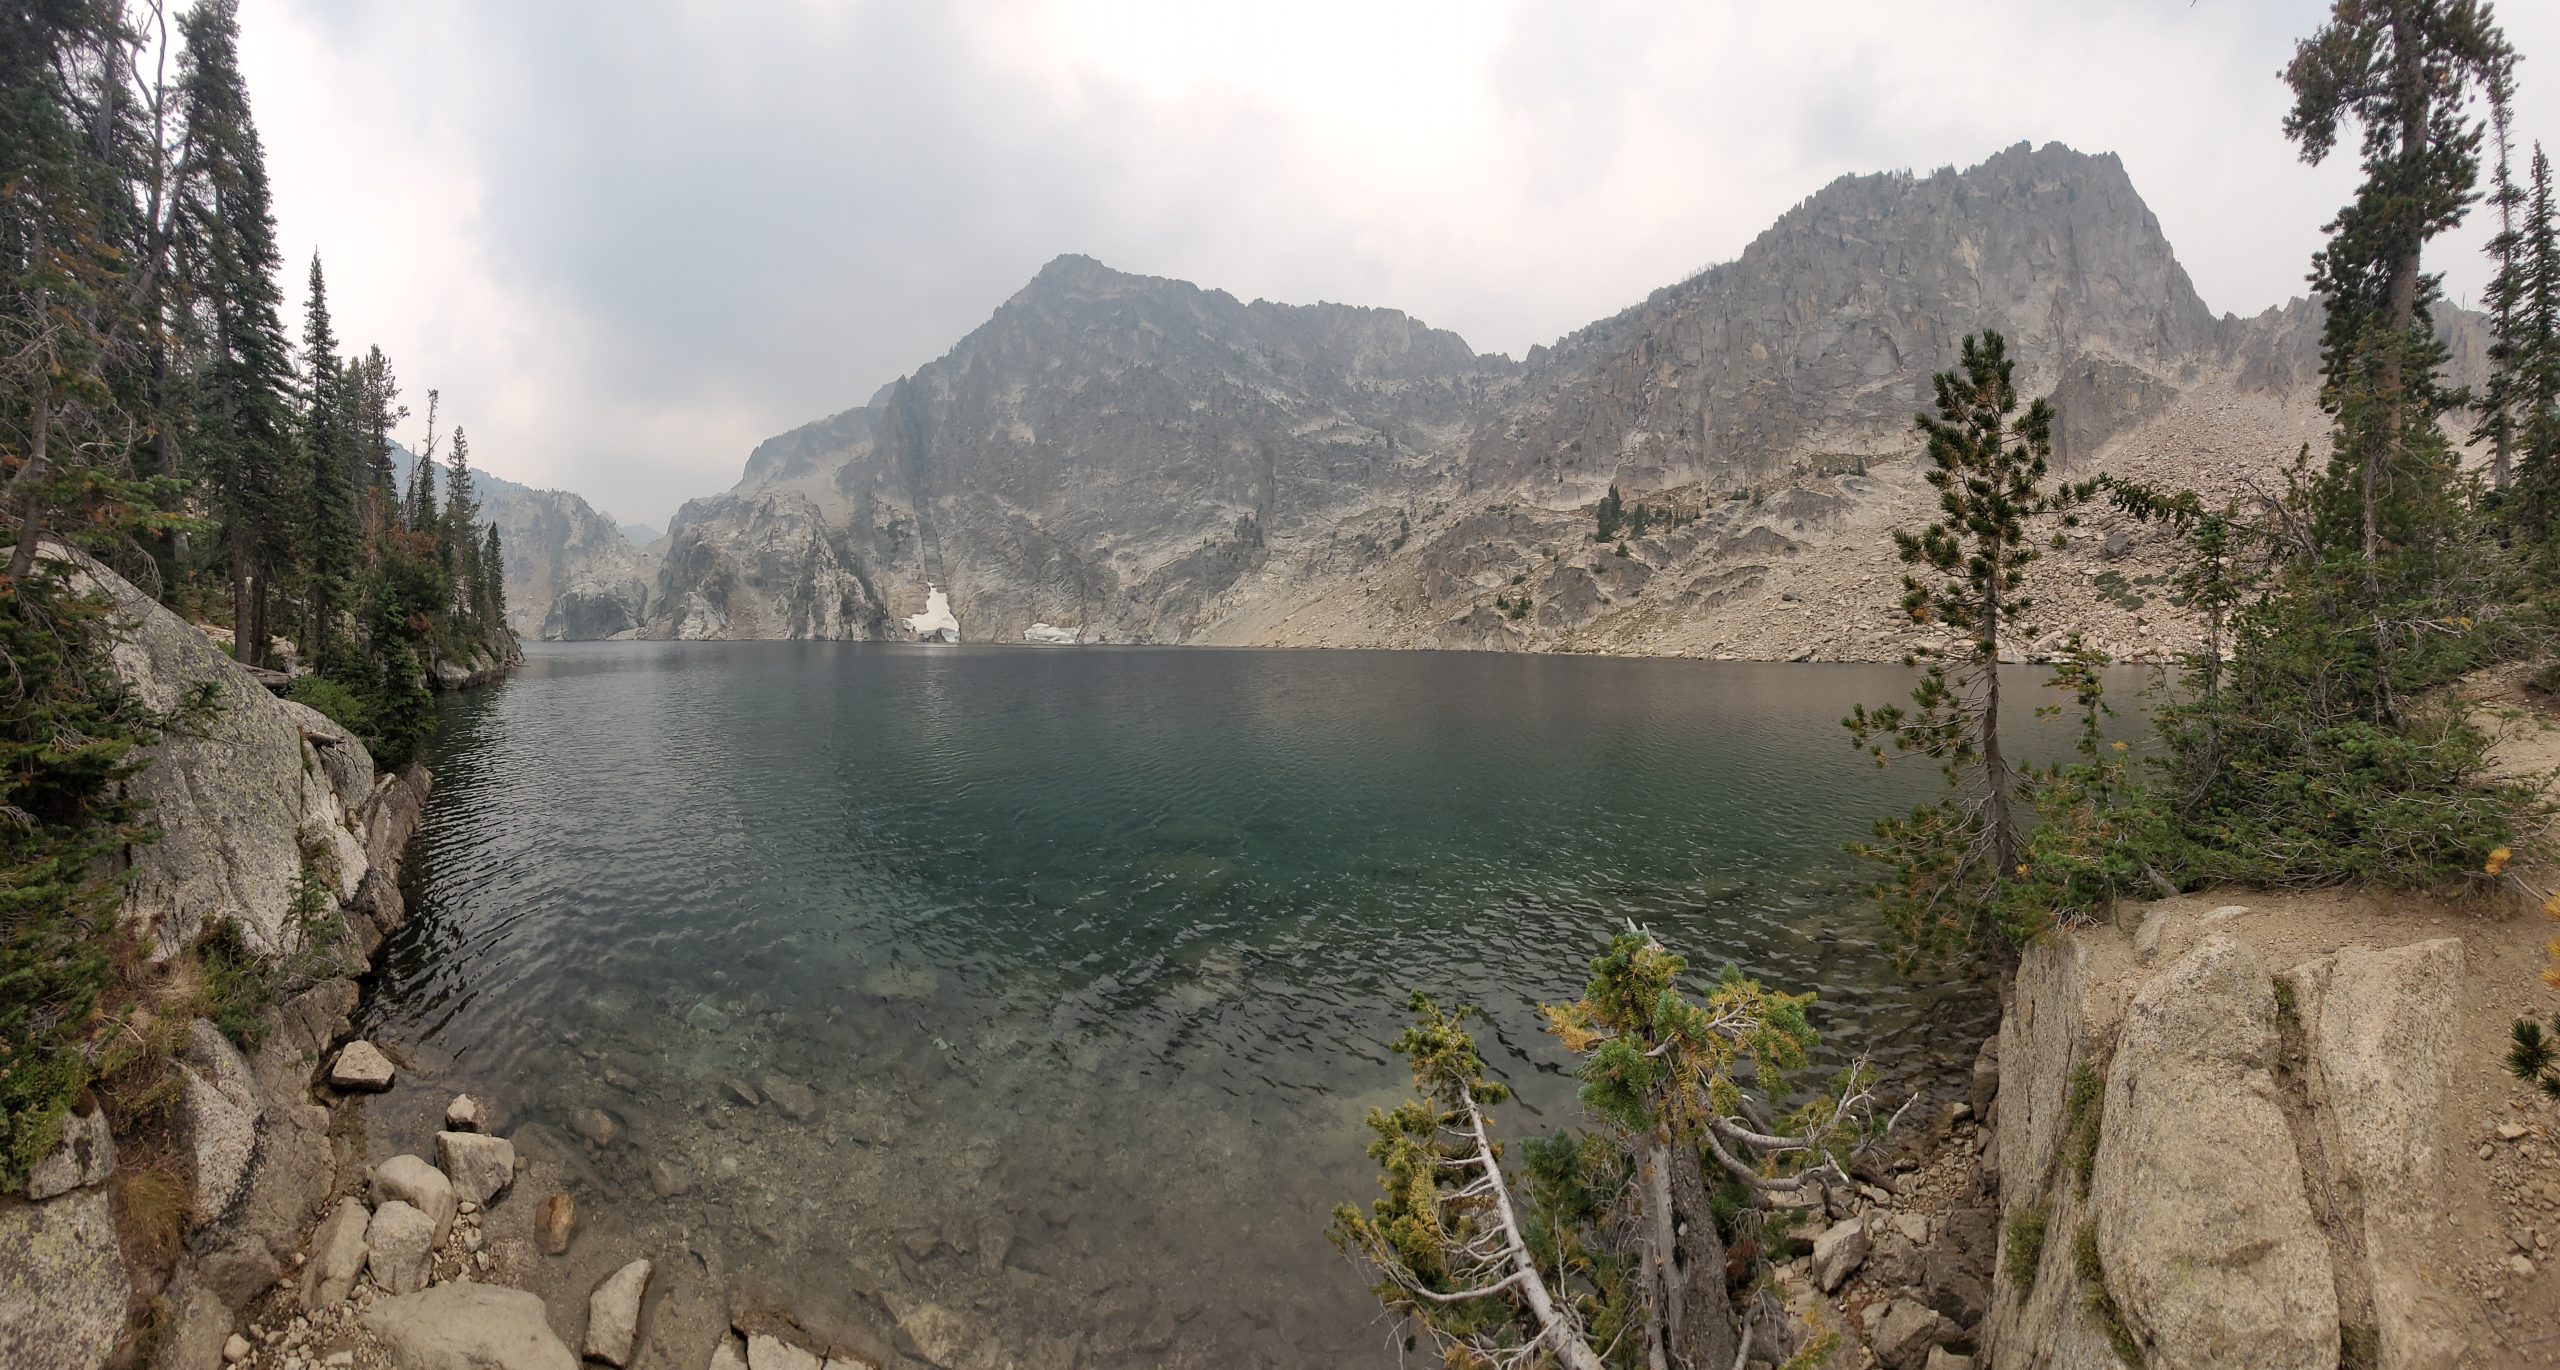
(1029,1001)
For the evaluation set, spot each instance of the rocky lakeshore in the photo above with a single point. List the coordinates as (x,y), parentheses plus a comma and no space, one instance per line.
(2250,1130)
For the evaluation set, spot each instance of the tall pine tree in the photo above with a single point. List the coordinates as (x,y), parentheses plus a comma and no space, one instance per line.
(329,454)
(2402,73)
(245,433)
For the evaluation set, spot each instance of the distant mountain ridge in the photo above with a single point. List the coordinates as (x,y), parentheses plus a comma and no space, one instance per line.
(570,571)
(1135,459)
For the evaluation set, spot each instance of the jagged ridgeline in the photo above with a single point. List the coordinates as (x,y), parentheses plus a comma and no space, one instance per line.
(1133,459)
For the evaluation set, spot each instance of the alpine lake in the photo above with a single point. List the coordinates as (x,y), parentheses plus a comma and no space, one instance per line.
(1026,1004)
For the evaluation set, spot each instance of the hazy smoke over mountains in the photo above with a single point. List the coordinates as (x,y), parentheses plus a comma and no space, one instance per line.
(628,242)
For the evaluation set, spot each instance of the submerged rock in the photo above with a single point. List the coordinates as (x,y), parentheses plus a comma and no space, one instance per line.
(613,1314)
(596,1125)
(361,1065)
(796,1101)
(465,1114)
(468,1327)
(481,1166)
(556,1221)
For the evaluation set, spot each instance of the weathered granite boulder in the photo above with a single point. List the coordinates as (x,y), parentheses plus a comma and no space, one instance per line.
(398,1244)
(613,1314)
(480,1166)
(337,1255)
(468,1327)
(1904,1334)
(419,1185)
(2209,1246)
(63,1283)
(1839,1251)
(85,1156)
(2378,1030)
(218,1112)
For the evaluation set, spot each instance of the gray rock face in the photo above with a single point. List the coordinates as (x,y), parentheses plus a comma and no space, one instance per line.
(481,1167)
(2379,1030)
(218,1120)
(86,1155)
(62,1283)
(613,1314)
(239,799)
(398,1243)
(2236,1270)
(412,1181)
(468,1327)
(337,1255)
(1108,450)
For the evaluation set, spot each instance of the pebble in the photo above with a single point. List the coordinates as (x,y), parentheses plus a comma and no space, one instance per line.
(2508,1132)
(235,1350)
(2522,1268)
(2487,1151)
(467,1206)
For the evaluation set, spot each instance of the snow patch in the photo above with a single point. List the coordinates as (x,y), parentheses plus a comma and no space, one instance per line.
(1048,635)
(936,623)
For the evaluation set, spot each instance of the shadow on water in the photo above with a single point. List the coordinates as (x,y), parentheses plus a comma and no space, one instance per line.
(1086,959)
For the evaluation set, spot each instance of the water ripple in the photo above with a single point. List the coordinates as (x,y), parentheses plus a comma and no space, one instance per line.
(1096,950)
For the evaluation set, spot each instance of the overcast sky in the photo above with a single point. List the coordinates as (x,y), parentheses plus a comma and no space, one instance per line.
(630,240)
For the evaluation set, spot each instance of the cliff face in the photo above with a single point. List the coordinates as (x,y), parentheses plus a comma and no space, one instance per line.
(570,571)
(1108,450)
(1127,458)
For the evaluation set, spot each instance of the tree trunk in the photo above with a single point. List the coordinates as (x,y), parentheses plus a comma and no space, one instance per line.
(22,560)
(1995,763)
(1665,1307)
(2408,72)
(1708,1336)
(248,604)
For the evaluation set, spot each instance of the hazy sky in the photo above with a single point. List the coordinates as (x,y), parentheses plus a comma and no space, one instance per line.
(630,240)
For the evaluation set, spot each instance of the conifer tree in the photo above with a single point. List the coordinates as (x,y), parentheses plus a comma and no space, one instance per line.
(329,451)
(1989,465)
(458,543)
(419,507)
(492,597)
(2401,73)
(244,432)
(2535,396)
(2503,300)
(1601,1250)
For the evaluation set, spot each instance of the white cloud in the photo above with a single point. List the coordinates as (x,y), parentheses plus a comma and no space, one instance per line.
(630,242)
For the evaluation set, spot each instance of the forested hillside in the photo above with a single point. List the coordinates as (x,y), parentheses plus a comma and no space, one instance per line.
(158,415)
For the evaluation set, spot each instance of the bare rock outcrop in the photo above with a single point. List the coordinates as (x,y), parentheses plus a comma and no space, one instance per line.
(2209,1247)
(2210,1151)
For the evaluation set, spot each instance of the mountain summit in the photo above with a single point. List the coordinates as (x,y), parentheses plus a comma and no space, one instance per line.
(1127,458)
